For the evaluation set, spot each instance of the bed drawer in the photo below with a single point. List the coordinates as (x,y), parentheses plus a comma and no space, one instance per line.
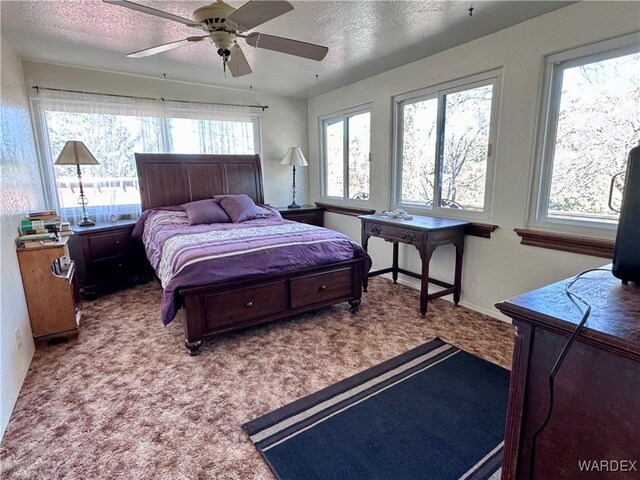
(320,287)
(110,244)
(228,307)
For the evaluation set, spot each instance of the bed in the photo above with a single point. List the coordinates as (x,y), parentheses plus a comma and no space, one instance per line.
(221,278)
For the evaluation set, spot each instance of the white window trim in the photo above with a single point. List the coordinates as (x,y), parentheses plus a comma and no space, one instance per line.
(547,122)
(492,77)
(343,115)
(45,162)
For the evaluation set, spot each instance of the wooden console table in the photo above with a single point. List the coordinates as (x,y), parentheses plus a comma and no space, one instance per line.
(426,234)
(597,388)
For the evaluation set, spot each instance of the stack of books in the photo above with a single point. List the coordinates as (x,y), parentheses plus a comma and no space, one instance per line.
(39,227)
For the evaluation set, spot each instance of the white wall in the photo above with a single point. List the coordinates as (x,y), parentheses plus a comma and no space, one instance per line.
(20,191)
(284,123)
(498,268)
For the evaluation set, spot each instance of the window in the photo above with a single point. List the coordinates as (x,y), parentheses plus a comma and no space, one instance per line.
(187,135)
(113,129)
(112,139)
(590,121)
(346,141)
(443,147)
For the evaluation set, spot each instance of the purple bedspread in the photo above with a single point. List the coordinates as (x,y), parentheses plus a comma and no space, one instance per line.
(184,255)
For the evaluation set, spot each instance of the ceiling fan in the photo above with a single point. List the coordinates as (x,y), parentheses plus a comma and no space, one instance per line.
(224,25)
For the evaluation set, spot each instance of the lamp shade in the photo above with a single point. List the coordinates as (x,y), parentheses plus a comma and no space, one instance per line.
(294,157)
(75,152)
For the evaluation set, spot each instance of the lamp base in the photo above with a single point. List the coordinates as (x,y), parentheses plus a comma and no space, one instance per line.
(86,222)
(294,205)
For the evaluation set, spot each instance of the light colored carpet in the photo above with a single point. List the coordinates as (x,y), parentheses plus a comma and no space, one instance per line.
(126,400)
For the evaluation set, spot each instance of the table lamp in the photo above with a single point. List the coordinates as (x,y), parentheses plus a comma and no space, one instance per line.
(295,158)
(76,153)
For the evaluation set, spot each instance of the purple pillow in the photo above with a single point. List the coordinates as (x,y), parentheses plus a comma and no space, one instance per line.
(205,211)
(240,208)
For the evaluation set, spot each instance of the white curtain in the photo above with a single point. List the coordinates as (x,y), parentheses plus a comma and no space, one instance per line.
(114,128)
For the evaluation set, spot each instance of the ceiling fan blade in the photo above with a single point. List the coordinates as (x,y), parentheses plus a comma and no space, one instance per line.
(286,45)
(165,47)
(257,12)
(154,11)
(237,63)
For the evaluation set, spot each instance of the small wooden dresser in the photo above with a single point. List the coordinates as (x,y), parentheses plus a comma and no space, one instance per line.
(596,408)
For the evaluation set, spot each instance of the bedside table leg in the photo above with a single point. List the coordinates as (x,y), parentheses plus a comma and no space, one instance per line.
(193,347)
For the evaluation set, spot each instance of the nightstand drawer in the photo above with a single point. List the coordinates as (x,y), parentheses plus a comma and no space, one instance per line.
(104,245)
(306,214)
(113,267)
(310,218)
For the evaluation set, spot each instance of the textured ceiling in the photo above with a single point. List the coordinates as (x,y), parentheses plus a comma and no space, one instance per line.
(364,38)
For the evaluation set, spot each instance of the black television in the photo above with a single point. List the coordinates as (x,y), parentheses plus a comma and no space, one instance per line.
(626,254)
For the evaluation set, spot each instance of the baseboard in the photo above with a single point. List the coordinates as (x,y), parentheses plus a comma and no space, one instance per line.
(415,284)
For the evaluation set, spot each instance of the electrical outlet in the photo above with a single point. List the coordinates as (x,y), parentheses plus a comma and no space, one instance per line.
(18,338)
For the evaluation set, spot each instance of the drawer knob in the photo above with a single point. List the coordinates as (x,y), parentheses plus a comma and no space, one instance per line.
(323,287)
(248,304)
(117,242)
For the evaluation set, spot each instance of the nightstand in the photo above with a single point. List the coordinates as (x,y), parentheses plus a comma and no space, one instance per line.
(52,295)
(107,257)
(305,214)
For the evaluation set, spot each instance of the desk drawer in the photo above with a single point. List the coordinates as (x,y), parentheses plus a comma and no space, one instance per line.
(109,244)
(242,304)
(391,233)
(320,287)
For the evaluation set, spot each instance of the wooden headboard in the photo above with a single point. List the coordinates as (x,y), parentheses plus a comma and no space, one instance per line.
(167,179)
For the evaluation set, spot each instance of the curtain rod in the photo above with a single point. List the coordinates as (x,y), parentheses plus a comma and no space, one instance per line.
(37,89)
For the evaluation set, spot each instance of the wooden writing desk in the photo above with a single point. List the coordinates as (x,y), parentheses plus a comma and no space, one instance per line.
(426,234)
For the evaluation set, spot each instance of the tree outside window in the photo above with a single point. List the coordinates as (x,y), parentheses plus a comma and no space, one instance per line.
(443,139)
(346,140)
(597,123)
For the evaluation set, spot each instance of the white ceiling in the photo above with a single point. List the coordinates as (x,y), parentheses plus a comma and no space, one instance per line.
(364,38)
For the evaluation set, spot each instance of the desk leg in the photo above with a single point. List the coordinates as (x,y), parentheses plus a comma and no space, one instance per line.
(425,256)
(365,246)
(458,278)
(394,273)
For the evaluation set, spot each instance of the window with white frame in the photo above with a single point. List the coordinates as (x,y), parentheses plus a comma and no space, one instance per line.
(590,120)
(443,140)
(113,129)
(346,140)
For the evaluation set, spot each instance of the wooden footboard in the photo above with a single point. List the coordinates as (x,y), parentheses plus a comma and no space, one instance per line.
(213,310)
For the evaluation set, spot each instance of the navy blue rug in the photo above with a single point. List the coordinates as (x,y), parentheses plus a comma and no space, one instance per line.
(435,412)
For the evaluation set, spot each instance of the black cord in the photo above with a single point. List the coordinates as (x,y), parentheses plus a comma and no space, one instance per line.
(556,366)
